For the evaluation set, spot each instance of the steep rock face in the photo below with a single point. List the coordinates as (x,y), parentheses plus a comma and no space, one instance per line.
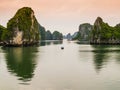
(96,30)
(102,33)
(84,31)
(42,32)
(99,32)
(24,28)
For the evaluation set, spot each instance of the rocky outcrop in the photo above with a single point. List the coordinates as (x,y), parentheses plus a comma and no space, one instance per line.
(23,28)
(42,32)
(57,35)
(75,36)
(84,31)
(54,36)
(48,35)
(102,33)
(1,31)
(69,36)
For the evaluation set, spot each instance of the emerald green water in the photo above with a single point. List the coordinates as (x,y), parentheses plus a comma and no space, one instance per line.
(47,67)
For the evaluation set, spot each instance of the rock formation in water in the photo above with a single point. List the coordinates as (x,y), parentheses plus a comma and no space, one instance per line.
(1,32)
(23,28)
(48,35)
(4,35)
(54,36)
(75,36)
(57,35)
(69,36)
(42,32)
(102,33)
(84,32)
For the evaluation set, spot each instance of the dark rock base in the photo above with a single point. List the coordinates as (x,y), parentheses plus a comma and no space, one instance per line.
(22,45)
(104,43)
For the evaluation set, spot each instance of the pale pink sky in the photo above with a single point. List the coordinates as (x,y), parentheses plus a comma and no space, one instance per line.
(64,15)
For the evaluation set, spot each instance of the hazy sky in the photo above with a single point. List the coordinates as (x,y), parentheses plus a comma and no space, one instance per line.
(64,15)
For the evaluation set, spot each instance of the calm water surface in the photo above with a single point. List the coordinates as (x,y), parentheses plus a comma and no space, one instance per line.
(47,67)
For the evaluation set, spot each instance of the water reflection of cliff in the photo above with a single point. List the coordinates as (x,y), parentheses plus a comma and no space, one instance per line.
(50,42)
(103,54)
(21,62)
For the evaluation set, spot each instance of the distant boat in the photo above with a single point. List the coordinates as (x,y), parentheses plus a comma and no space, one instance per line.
(62,47)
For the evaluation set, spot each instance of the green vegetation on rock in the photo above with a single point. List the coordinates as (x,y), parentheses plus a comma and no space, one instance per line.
(57,35)
(77,37)
(4,34)
(23,27)
(84,32)
(102,33)
(99,33)
(42,32)
(1,31)
(48,35)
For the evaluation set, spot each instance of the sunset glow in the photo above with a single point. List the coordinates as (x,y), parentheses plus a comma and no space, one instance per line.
(64,15)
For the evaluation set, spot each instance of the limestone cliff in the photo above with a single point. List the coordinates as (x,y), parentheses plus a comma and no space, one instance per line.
(84,31)
(24,28)
(48,35)
(57,35)
(42,32)
(102,33)
(69,36)
(99,32)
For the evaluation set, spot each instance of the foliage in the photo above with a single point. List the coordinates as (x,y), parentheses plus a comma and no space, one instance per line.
(48,35)
(57,35)
(1,31)
(42,32)
(4,33)
(77,37)
(24,20)
(105,33)
(84,32)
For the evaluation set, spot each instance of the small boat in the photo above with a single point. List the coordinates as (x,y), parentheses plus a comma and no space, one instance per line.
(62,47)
